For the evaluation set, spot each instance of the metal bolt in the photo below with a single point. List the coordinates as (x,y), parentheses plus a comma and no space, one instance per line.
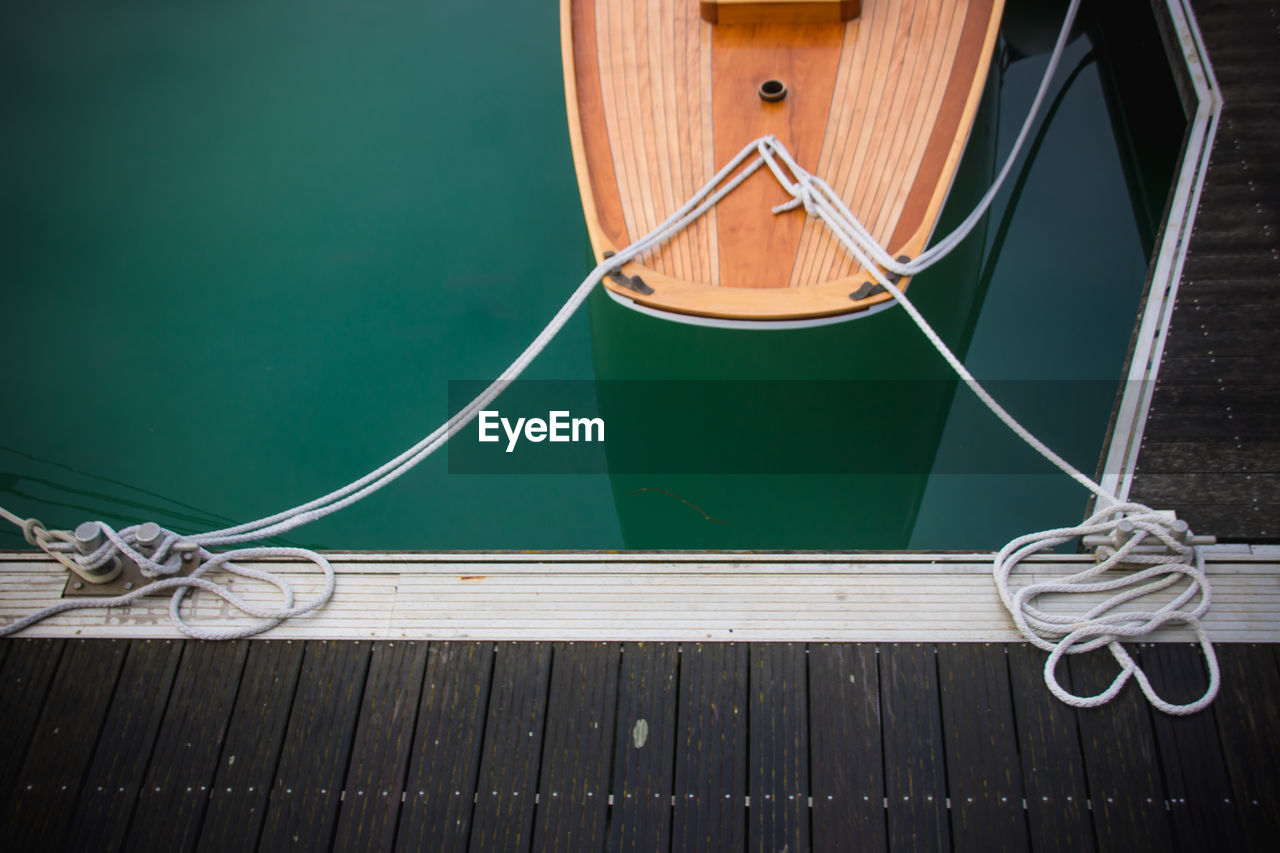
(128,584)
(77,585)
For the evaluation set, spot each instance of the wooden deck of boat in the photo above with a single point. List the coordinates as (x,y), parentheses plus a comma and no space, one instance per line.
(183,745)
(1212,441)
(660,99)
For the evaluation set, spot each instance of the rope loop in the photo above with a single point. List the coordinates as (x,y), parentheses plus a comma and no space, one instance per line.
(1162,585)
(32,530)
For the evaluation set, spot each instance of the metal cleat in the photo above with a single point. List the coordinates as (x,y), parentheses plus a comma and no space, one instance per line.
(1125,530)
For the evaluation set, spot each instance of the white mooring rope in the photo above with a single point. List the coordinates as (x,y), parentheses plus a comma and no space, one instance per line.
(1129,525)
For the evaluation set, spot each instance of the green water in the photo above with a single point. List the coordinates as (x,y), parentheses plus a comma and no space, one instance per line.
(246,247)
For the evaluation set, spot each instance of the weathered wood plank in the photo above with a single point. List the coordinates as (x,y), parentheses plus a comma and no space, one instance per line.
(441,782)
(255,734)
(1225,455)
(28,671)
(512,748)
(1195,776)
(313,762)
(1049,746)
(384,734)
(1218,487)
(1205,260)
(1246,710)
(1233,198)
(1234,368)
(101,816)
(172,801)
(982,748)
(62,745)
(1204,294)
(711,752)
(778,772)
(1188,340)
(644,748)
(574,786)
(845,748)
(1252,398)
(914,760)
(1121,765)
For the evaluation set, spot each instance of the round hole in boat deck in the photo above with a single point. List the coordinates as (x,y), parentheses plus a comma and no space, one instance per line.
(772,90)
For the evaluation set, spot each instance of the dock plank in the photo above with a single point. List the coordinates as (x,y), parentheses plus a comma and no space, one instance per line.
(1121,764)
(28,671)
(711,750)
(644,747)
(512,748)
(778,773)
(238,796)
(101,817)
(441,782)
(384,735)
(985,777)
(1052,765)
(914,761)
(1195,775)
(171,802)
(1246,711)
(847,763)
(573,790)
(35,814)
(306,793)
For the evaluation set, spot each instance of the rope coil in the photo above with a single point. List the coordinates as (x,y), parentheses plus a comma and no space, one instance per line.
(1107,622)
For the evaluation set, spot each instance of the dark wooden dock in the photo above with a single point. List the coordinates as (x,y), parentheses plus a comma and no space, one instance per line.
(1212,442)
(184,745)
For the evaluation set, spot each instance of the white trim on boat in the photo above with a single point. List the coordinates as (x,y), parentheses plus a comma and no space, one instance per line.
(762,325)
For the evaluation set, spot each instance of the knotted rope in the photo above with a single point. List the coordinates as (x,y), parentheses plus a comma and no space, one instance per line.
(162,559)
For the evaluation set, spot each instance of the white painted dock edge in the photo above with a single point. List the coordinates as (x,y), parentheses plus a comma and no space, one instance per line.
(938,597)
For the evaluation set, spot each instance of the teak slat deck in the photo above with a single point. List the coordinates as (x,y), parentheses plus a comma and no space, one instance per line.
(659,99)
(539,746)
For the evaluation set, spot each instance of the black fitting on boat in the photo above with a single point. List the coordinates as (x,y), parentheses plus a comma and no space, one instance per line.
(871,288)
(895,277)
(631,282)
(868,288)
(772,91)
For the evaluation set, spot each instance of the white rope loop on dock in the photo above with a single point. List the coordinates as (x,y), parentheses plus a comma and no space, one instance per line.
(1108,622)
(1104,624)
